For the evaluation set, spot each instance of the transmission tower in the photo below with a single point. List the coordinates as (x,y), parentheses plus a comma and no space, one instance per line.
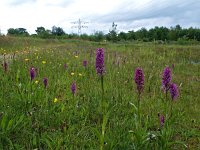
(78,24)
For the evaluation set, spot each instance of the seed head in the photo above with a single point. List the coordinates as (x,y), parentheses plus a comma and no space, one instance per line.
(5,66)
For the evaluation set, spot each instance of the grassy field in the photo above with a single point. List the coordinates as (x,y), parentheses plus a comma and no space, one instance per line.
(35,117)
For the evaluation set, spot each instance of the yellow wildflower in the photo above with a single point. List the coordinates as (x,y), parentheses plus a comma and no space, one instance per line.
(72,73)
(76,56)
(44,62)
(36,82)
(80,74)
(26,59)
(55,100)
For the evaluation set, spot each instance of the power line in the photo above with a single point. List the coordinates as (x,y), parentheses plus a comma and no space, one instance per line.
(78,24)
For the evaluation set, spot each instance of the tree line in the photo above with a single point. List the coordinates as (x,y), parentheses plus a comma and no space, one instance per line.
(154,34)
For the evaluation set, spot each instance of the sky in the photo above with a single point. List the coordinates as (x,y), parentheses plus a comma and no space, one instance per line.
(98,14)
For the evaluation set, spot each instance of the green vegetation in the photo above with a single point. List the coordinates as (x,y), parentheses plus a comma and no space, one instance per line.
(160,34)
(35,117)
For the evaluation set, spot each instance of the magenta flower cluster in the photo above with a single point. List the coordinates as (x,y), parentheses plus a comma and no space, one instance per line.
(139,79)
(65,66)
(162,120)
(167,85)
(73,88)
(174,91)
(85,63)
(32,73)
(100,61)
(45,81)
(166,78)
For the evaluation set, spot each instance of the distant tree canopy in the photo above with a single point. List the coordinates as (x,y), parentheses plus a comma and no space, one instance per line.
(58,31)
(18,32)
(176,33)
(43,33)
(112,35)
(98,36)
(155,34)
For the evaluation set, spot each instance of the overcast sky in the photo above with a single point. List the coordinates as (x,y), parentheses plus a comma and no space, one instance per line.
(127,14)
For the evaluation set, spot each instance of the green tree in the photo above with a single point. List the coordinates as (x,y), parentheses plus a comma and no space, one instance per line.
(123,36)
(11,31)
(18,32)
(43,33)
(40,30)
(58,31)
(99,36)
(142,34)
(112,35)
(131,35)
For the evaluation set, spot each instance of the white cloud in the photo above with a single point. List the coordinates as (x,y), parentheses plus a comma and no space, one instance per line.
(128,14)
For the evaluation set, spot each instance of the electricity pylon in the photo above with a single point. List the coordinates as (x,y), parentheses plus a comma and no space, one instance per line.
(78,24)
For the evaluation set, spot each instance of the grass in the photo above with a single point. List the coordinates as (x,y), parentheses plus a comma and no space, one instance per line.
(30,118)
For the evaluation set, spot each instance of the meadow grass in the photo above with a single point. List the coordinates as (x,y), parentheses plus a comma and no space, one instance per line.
(35,117)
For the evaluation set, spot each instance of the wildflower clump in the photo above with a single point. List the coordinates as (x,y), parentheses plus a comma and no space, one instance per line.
(85,63)
(73,88)
(32,73)
(100,61)
(45,81)
(139,80)
(174,91)
(166,79)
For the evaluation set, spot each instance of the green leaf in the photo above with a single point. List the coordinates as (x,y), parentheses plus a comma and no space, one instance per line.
(34,140)
(97,133)
(10,124)
(19,121)
(105,120)
(4,122)
(46,140)
(133,105)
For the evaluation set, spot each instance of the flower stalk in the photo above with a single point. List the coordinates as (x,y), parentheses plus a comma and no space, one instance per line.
(139,80)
